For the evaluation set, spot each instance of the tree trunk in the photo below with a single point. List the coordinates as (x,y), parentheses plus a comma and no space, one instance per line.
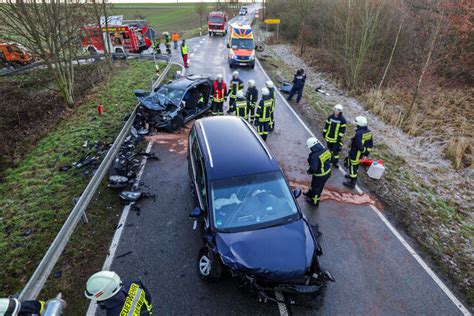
(412,106)
(391,54)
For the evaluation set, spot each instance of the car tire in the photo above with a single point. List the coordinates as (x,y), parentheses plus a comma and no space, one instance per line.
(176,123)
(252,66)
(209,265)
(209,33)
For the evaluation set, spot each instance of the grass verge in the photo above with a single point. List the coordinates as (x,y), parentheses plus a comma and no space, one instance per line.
(36,197)
(442,229)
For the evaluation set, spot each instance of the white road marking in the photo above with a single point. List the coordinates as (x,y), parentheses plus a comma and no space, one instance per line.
(402,240)
(91,311)
(281,306)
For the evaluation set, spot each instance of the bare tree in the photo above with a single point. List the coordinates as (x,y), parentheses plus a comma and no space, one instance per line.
(50,30)
(201,9)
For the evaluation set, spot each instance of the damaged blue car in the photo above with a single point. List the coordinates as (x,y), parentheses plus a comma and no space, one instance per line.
(250,221)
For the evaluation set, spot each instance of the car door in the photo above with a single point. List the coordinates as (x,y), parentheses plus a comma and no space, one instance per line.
(199,174)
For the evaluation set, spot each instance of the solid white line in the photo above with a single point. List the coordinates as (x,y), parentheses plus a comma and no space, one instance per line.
(402,240)
(91,311)
(281,306)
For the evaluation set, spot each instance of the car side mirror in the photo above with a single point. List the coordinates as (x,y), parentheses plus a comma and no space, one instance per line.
(297,193)
(196,213)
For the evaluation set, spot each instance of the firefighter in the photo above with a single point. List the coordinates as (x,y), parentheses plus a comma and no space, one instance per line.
(184,53)
(13,307)
(219,93)
(271,87)
(319,161)
(263,113)
(157,45)
(252,97)
(298,84)
(167,42)
(235,85)
(361,146)
(117,298)
(333,132)
(241,105)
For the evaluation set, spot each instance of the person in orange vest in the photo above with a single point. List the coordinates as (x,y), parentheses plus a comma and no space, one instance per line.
(175,39)
(219,93)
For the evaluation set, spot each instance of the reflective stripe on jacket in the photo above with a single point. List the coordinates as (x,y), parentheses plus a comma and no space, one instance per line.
(361,145)
(319,161)
(264,110)
(252,96)
(234,86)
(184,49)
(219,91)
(132,300)
(334,129)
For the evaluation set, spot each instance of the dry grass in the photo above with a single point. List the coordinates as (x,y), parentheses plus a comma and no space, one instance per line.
(441,116)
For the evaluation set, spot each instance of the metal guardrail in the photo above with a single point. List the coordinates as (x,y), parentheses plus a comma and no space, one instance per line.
(42,272)
(86,59)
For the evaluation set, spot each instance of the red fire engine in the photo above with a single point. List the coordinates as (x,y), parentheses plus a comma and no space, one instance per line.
(131,36)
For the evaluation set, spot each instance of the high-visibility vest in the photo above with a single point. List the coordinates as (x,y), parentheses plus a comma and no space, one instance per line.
(325,168)
(219,93)
(184,49)
(334,129)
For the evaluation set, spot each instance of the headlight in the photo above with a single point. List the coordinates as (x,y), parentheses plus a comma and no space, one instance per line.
(252,57)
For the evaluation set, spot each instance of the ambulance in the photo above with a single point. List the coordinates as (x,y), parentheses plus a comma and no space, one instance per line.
(241,46)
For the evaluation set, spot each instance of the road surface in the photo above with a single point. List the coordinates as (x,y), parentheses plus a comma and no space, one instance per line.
(375,272)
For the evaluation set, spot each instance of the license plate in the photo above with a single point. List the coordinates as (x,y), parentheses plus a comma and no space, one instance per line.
(242,64)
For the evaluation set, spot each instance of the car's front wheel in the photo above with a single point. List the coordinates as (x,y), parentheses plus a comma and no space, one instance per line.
(175,123)
(209,265)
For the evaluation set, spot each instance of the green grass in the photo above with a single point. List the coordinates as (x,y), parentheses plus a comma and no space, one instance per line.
(37,196)
(165,17)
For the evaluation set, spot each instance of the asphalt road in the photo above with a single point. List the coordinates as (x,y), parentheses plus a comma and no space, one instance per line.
(375,273)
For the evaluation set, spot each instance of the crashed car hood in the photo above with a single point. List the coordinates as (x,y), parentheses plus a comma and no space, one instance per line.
(152,102)
(279,253)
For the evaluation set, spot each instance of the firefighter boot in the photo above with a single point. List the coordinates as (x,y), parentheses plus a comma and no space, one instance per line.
(351,183)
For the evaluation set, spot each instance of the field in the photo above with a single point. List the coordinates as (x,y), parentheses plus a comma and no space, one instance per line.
(165,17)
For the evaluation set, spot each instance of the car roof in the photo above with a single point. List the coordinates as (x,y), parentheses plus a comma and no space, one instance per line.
(233,148)
(185,82)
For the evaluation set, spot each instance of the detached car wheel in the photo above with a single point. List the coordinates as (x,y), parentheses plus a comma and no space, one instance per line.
(209,266)
(175,124)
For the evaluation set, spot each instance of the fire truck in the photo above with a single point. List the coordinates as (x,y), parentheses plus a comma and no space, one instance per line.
(217,23)
(13,54)
(120,36)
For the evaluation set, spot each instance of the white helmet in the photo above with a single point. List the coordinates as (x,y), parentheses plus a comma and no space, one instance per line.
(9,306)
(219,77)
(235,74)
(338,108)
(240,94)
(361,121)
(251,83)
(311,142)
(265,91)
(166,33)
(103,285)
(269,84)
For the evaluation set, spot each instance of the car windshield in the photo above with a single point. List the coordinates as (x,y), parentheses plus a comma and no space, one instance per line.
(242,43)
(252,202)
(216,19)
(169,93)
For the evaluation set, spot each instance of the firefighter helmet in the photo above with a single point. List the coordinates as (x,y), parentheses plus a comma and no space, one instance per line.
(361,121)
(219,77)
(9,306)
(269,84)
(265,91)
(338,108)
(103,285)
(311,142)
(251,83)
(235,74)
(240,94)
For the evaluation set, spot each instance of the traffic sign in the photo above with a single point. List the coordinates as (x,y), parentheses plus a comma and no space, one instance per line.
(272,21)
